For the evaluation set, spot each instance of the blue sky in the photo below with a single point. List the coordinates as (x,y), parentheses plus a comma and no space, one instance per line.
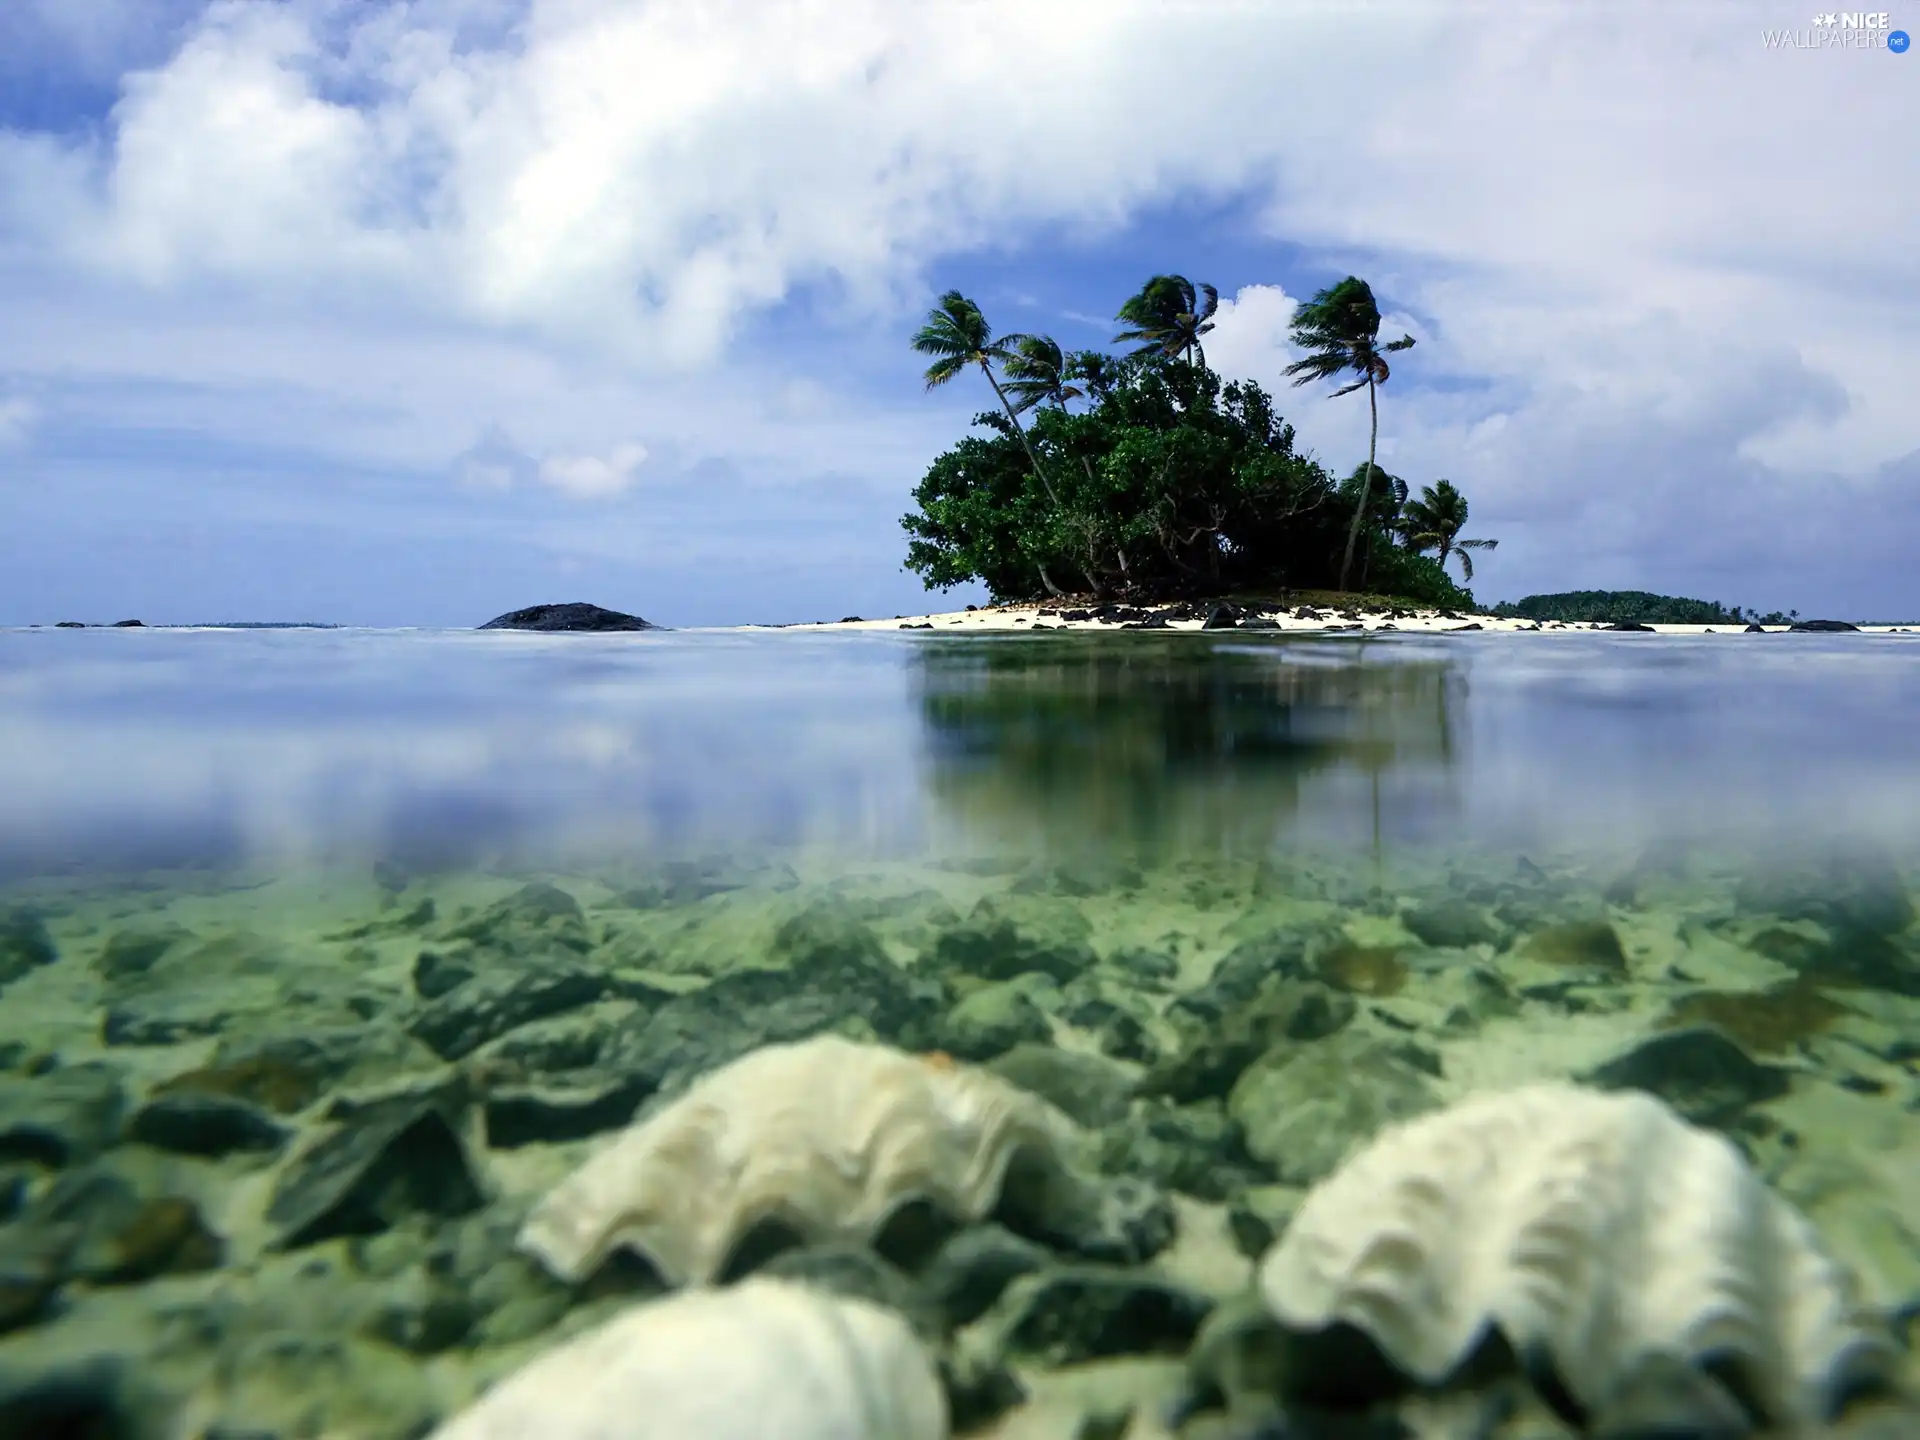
(412,313)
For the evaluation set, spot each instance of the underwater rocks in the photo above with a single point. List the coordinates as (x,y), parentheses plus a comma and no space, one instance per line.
(1850,891)
(487,1006)
(571,616)
(692,1034)
(1699,1071)
(1013,935)
(1451,924)
(1300,1109)
(309,1219)
(683,882)
(25,944)
(103,1225)
(385,1160)
(1072,1314)
(213,1126)
(165,985)
(1771,1021)
(62,1117)
(994,1019)
(1212,1056)
(1090,1090)
(286,1072)
(1252,965)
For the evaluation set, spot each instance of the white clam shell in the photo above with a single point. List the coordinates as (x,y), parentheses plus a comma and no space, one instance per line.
(1594,1229)
(828,1135)
(761,1358)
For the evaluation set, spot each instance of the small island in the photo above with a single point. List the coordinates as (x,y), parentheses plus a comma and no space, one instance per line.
(575,615)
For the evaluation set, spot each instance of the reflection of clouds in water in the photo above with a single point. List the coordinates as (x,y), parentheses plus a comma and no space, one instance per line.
(453,747)
(297,747)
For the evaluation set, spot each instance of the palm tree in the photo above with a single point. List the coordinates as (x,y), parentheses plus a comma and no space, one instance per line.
(1169,316)
(1385,509)
(1434,522)
(957,335)
(1340,330)
(1036,371)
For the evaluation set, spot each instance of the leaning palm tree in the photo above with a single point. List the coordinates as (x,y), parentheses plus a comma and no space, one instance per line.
(957,335)
(1169,316)
(1434,522)
(1036,371)
(1340,330)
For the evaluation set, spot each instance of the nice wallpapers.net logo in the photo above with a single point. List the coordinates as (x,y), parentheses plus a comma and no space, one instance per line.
(1842,30)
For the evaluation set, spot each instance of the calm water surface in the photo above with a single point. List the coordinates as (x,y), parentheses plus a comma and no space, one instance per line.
(260,888)
(163,749)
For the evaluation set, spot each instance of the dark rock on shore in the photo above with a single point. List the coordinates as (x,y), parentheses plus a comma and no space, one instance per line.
(1828,626)
(128,625)
(575,615)
(1630,625)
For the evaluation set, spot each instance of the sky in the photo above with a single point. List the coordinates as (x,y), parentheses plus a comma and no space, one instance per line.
(410,312)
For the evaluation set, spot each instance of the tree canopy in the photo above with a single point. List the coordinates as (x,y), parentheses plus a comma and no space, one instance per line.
(1143,475)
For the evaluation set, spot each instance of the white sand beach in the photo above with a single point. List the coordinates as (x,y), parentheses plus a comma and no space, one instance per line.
(1297,618)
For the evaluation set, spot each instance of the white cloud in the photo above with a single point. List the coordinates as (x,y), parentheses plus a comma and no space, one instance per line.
(495,462)
(18,415)
(1643,275)
(593,477)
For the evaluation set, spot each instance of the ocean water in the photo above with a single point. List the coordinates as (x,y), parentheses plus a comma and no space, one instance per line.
(249,879)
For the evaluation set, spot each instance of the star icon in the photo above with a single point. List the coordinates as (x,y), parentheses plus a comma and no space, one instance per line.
(1829,18)
(1819,20)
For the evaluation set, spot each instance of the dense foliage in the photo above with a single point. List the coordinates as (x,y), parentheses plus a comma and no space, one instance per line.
(1635,607)
(1166,482)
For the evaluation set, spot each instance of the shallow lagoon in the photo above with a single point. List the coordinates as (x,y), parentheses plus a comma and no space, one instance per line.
(244,864)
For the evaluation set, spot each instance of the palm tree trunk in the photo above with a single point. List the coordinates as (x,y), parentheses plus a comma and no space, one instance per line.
(1014,420)
(1366,484)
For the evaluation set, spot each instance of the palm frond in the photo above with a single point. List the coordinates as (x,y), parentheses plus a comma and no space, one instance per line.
(944,370)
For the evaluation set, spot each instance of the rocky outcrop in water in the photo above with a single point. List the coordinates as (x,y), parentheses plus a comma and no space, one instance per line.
(575,615)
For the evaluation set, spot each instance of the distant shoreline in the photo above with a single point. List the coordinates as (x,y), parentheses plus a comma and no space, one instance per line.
(1028,618)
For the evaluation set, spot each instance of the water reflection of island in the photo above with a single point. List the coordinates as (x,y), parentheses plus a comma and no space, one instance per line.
(1144,743)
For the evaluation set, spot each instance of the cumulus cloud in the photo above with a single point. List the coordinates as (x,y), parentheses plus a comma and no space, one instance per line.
(593,477)
(496,463)
(1649,287)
